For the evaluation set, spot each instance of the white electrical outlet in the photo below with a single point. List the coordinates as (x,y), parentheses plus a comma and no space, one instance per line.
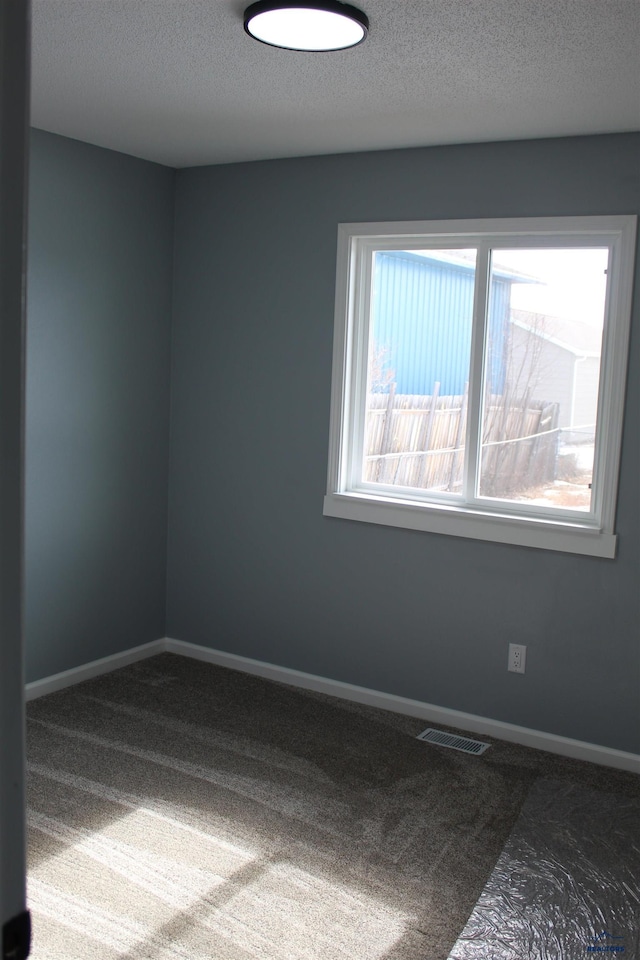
(517,657)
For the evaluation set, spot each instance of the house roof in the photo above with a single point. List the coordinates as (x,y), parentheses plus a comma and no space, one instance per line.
(464,260)
(179,81)
(579,338)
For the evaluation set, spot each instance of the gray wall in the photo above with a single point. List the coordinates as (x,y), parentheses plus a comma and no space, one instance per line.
(98,340)
(254,567)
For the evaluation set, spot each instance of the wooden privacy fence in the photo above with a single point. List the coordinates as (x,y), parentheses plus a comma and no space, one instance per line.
(418,441)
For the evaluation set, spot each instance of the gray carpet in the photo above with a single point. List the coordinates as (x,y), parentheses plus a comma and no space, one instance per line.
(181,810)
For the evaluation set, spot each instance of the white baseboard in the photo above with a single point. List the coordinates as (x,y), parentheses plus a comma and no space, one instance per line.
(564,746)
(38,688)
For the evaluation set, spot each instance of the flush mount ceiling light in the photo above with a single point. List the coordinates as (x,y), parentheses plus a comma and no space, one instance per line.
(300,25)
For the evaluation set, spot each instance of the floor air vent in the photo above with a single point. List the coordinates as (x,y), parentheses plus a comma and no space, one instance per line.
(443,739)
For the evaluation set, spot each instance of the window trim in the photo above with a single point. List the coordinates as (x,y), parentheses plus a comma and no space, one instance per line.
(401,507)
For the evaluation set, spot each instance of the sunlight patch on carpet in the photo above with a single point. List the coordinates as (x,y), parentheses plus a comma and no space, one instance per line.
(133,886)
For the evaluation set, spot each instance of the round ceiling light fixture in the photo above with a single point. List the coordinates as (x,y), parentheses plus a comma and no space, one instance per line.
(311,26)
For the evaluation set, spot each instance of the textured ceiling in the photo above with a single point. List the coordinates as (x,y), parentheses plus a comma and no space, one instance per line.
(179,82)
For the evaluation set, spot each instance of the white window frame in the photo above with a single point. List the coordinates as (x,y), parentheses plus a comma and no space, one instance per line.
(349,498)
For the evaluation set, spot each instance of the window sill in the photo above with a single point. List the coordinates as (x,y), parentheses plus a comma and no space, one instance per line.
(457,522)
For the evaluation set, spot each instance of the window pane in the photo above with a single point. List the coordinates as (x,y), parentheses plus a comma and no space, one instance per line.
(541,376)
(418,368)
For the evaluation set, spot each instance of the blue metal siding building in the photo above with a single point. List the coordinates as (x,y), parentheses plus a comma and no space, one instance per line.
(422,321)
